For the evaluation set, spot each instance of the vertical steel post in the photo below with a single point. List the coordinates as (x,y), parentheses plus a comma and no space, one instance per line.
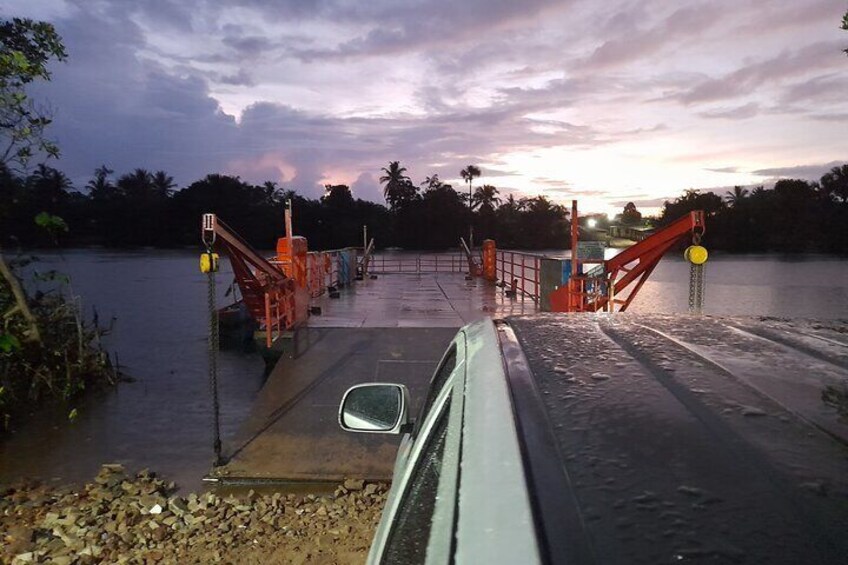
(574,261)
(289,224)
(268,320)
(537,264)
(523,260)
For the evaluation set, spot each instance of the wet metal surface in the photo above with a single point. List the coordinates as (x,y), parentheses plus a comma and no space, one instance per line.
(390,329)
(438,300)
(293,431)
(687,440)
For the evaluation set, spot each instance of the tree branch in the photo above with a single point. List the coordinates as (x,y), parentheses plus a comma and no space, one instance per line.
(20,299)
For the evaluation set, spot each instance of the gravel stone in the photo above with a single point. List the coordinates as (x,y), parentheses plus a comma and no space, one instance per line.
(126,518)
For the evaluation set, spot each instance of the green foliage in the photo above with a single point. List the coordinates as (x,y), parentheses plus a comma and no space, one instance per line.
(53,224)
(66,360)
(795,216)
(26,48)
(9,344)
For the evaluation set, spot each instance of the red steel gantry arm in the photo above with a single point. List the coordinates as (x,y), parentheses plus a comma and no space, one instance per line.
(633,265)
(647,253)
(267,292)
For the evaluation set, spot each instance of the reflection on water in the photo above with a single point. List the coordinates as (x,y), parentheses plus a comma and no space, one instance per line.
(753,285)
(163,421)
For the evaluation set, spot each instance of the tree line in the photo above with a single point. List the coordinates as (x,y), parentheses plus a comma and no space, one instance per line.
(146,209)
(794,216)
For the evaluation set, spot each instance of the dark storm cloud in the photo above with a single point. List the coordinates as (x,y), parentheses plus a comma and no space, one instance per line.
(117,109)
(809,172)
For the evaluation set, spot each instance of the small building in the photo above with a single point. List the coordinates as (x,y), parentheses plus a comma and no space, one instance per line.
(635,233)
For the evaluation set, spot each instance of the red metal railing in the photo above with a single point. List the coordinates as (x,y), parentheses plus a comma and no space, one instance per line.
(520,272)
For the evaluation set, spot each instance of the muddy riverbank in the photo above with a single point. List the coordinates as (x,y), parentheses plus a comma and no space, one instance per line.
(124,517)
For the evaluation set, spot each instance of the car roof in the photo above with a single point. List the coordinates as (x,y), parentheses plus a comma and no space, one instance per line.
(495,518)
(676,438)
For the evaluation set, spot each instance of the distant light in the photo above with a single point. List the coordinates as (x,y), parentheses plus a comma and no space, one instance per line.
(592,222)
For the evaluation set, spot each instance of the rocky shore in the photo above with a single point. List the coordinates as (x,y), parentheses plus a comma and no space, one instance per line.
(135,518)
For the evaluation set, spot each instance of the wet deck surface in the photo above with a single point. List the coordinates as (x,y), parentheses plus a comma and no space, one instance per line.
(390,329)
(443,300)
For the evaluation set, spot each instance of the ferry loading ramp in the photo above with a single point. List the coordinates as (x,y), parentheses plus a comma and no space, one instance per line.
(394,329)
(391,329)
(686,370)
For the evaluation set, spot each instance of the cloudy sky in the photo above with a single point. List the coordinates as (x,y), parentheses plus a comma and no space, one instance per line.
(603,101)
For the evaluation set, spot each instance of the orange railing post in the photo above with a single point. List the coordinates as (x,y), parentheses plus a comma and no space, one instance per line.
(489,260)
(267,321)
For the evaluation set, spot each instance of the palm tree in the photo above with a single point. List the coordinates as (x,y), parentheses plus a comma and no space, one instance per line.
(136,184)
(98,185)
(486,198)
(468,175)
(432,183)
(511,205)
(49,187)
(396,183)
(759,192)
(737,196)
(162,182)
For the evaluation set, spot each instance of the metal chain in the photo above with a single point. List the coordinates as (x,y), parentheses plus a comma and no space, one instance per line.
(696,281)
(213,367)
(696,288)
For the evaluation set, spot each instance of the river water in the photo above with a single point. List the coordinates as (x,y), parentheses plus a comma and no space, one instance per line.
(162,420)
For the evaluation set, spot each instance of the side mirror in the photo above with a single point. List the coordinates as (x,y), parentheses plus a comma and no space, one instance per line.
(375,408)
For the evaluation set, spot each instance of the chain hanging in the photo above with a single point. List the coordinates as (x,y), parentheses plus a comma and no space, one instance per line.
(213,368)
(696,288)
(696,281)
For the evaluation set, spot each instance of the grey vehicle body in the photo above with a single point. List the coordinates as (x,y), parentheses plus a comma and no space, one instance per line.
(551,440)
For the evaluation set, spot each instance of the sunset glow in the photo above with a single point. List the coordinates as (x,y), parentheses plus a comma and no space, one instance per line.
(606,103)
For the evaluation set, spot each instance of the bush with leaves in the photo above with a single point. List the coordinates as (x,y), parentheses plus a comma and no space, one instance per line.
(48,351)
